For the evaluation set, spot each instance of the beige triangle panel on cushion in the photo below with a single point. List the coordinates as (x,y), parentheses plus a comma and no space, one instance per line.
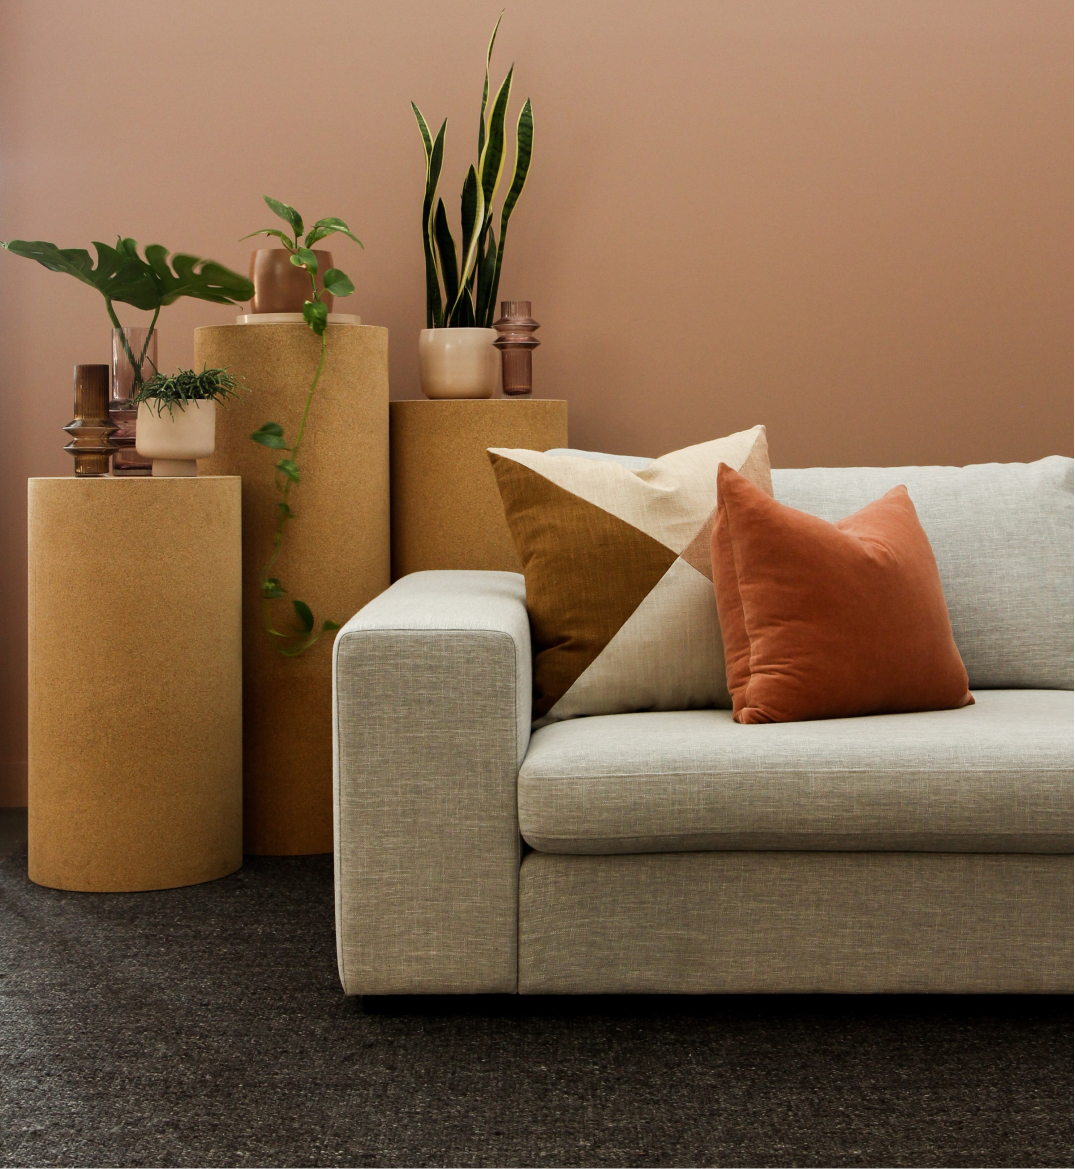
(622,611)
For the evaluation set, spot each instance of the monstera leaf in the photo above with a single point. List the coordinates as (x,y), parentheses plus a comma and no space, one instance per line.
(196,278)
(122,276)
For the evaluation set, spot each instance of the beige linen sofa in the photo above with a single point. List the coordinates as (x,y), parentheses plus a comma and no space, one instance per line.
(676,851)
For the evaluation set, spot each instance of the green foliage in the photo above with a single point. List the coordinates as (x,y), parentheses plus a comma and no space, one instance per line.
(176,389)
(298,638)
(472,279)
(121,276)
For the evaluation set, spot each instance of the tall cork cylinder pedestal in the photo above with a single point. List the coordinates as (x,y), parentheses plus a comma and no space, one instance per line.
(135,672)
(336,556)
(446,508)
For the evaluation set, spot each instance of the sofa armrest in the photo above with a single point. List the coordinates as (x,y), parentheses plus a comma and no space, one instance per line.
(431,718)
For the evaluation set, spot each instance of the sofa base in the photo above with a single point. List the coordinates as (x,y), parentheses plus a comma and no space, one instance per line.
(739,922)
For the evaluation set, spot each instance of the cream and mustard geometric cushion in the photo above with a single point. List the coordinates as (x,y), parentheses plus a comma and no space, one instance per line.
(619,582)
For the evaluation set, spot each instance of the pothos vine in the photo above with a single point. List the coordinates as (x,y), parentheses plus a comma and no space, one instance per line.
(298,639)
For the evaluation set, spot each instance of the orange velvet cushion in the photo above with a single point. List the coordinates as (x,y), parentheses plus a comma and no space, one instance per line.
(828,620)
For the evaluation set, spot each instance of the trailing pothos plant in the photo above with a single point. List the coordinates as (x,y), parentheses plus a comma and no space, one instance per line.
(123,277)
(298,639)
(472,278)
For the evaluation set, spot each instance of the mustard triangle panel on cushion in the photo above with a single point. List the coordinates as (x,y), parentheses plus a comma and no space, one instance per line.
(622,611)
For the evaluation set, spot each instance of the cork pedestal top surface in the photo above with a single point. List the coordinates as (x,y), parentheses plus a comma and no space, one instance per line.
(446,508)
(135,683)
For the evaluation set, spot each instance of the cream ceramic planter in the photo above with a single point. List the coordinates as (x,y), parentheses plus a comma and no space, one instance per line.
(175,439)
(458,363)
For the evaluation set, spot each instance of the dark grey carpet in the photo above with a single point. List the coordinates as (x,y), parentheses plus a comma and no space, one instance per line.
(206,1026)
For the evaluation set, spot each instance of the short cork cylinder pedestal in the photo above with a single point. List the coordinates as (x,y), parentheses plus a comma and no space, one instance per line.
(446,508)
(335,556)
(135,682)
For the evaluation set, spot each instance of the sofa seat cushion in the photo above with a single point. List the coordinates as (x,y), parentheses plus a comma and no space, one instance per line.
(993,777)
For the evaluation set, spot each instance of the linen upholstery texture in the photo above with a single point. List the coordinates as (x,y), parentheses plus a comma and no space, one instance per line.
(993,777)
(844,923)
(432,715)
(1002,535)
(619,574)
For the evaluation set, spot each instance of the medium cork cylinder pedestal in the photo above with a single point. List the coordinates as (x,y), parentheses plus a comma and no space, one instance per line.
(336,555)
(135,682)
(446,508)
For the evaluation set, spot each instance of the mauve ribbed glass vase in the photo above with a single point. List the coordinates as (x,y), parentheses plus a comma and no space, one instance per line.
(516,342)
(128,344)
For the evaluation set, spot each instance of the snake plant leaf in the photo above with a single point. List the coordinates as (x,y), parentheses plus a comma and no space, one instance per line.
(288,214)
(472,216)
(524,149)
(304,258)
(286,240)
(337,283)
(329,226)
(434,151)
(194,277)
(446,248)
(492,159)
(304,614)
(118,276)
(483,308)
(485,91)
(315,314)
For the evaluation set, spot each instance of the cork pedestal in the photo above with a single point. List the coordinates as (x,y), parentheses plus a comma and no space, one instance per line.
(135,680)
(335,558)
(446,509)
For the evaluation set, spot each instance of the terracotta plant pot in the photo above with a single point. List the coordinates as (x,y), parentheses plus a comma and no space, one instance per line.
(458,363)
(280,287)
(175,439)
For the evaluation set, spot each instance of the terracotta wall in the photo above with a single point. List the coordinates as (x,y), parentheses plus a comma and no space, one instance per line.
(848,219)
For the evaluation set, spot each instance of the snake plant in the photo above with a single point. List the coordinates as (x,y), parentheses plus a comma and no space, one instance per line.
(471,278)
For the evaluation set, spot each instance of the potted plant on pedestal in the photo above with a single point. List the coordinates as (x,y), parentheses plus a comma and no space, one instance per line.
(177,418)
(455,350)
(296,640)
(122,276)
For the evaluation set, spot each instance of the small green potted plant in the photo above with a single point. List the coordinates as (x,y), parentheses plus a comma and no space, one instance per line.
(177,418)
(455,351)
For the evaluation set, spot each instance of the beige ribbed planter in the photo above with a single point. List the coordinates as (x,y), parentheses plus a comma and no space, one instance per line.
(336,558)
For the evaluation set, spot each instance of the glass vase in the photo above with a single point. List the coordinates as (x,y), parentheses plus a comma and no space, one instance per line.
(126,381)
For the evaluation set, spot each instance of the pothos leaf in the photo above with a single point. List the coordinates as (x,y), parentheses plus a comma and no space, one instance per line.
(304,258)
(315,314)
(337,283)
(289,214)
(304,614)
(272,436)
(286,240)
(289,468)
(271,589)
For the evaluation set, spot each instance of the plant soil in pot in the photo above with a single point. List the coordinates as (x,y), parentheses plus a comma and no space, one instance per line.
(280,286)
(458,363)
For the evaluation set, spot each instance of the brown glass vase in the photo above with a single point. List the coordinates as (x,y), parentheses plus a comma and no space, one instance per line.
(280,286)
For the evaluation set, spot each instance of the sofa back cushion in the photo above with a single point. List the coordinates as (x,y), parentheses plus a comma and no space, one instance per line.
(1002,535)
